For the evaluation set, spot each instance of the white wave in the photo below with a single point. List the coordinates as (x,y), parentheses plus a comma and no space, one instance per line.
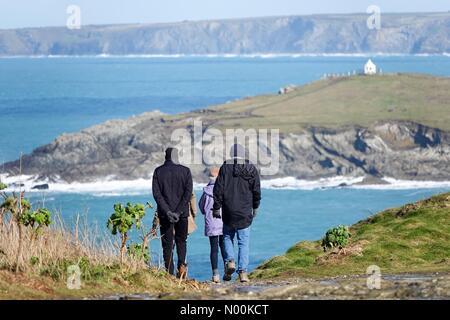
(351,182)
(297,184)
(395,184)
(111,187)
(101,187)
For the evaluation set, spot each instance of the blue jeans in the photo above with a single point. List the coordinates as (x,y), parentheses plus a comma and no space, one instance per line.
(243,239)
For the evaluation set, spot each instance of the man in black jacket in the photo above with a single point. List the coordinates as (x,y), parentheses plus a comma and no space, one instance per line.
(172,190)
(237,192)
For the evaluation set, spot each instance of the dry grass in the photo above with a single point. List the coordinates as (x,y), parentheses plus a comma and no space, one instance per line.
(57,243)
(46,256)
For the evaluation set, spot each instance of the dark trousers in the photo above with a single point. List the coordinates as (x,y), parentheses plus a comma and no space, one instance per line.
(216,243)
(171,235)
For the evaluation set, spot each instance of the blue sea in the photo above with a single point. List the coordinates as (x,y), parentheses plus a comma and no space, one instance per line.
(41,98)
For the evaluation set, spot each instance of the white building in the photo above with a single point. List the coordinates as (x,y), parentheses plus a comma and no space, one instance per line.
(370,68)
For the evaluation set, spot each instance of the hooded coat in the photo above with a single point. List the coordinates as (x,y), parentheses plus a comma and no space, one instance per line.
(213,226)
(237,190)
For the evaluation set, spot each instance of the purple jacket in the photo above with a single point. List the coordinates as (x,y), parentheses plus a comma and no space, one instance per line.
(213,226)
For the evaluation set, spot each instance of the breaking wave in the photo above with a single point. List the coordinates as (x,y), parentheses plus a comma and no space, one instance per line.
(111,187)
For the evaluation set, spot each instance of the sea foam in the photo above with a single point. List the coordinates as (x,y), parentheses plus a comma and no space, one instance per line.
(111,187)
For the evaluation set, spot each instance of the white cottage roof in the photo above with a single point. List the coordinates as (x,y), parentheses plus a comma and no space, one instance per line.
(370,63)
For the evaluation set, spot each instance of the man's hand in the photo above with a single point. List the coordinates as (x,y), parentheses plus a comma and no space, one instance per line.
(173,217)
(216,214)
(255,212)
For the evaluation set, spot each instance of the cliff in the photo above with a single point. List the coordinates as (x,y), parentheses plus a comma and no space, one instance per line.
(409,33)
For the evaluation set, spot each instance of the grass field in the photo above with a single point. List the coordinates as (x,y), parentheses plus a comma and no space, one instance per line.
(413,238)
(356,100)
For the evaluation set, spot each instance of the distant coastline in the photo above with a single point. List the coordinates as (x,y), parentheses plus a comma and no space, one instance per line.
(407,33)
(230,56)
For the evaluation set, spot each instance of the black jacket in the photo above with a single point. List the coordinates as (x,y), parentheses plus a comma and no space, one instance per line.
(237,191)
(172,189)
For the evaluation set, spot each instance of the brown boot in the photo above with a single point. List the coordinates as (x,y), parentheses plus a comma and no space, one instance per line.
(230,268)
(243,276)
(182,272)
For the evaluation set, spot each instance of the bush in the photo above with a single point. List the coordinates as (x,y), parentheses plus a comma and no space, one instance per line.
(336,237)
(21,213)
(36,219)
(122,221)
(138,252)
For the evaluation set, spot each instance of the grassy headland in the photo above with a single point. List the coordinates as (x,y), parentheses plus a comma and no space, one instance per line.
(412,239)
(338,102)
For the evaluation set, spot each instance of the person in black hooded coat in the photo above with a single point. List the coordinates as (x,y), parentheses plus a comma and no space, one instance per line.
(237,192)
(172,190)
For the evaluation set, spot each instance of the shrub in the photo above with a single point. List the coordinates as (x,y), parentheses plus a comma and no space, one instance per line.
(336,237)
(139,252)
(36,219)
(122,221)
(22,215)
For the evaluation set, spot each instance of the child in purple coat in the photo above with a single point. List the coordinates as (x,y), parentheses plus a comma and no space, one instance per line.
(213,226)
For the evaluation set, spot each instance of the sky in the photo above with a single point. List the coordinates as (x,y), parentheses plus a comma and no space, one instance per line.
(39,13)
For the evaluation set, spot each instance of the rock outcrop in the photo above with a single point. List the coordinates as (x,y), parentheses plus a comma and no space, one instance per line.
(131,149)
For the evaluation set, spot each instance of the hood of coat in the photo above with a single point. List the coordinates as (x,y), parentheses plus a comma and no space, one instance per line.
(238,151)
(241,165)
(209,188)
(245,170)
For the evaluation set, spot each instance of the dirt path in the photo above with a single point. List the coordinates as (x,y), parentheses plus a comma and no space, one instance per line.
(405,286)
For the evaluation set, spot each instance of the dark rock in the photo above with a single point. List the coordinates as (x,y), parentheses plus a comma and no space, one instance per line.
(371,180)
(44,186)
(16,185)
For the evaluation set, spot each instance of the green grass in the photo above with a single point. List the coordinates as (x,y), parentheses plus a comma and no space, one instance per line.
(413,238)
(357,100)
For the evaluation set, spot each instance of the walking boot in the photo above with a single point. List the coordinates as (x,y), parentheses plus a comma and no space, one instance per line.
(182,272)
(243,276)
(230,268)
(215,277)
